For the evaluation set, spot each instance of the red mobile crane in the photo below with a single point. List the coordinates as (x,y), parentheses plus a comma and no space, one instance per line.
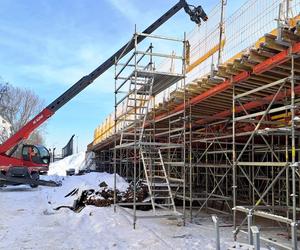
(35,159)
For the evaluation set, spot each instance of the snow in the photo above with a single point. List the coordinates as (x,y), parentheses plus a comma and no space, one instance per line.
(28,219)
(82,182)
(79,161)
(76,161)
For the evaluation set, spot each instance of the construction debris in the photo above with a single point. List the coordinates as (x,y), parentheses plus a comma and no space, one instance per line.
(104,197)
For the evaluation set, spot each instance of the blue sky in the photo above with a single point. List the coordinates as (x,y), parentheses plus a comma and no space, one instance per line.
(48,45)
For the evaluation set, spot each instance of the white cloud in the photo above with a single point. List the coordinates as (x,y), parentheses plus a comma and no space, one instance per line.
(127,8)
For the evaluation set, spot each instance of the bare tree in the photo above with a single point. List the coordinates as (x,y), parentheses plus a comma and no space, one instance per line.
(17,107)
(3,89)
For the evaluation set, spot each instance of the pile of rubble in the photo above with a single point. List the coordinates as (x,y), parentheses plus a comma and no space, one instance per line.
(105,196)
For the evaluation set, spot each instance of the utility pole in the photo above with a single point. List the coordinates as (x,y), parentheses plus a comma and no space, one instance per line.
(222,30)
(53,154)
(77,144)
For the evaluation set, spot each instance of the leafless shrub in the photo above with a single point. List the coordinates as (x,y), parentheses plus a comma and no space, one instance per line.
(17,107)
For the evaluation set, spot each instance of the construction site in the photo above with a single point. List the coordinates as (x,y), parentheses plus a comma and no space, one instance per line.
(200,149)
(212,124)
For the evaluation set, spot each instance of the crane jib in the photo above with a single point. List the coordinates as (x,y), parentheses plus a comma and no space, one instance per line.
(87,80)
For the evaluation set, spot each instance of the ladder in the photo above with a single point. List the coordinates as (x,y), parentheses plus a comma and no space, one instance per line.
(136,108)
(157,180)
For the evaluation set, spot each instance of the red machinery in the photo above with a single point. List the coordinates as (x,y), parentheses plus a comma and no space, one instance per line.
(35,159)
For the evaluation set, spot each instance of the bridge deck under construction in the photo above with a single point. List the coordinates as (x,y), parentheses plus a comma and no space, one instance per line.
(238,131)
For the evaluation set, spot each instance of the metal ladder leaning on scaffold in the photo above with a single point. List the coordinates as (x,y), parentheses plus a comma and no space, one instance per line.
(136,108)
(157,180)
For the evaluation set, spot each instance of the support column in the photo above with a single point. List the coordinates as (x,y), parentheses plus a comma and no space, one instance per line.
(250,237)
(293,163)
(234,163)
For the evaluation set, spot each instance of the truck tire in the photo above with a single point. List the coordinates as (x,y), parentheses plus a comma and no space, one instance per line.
(35,176)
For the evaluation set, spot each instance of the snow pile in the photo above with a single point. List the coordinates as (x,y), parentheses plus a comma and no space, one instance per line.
(80,161)
(90,163)
(80,182)
(76,161)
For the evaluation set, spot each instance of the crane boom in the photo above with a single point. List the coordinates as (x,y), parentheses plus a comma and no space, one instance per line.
(196,15)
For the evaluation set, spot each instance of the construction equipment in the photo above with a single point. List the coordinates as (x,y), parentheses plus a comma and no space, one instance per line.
(26,166)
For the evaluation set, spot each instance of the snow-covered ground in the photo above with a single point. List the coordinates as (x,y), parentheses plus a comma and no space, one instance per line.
(28,221)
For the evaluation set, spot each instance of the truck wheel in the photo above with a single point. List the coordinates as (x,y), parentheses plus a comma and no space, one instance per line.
(35,176)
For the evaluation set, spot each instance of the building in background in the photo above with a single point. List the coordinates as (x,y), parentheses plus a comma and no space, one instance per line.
(5,129)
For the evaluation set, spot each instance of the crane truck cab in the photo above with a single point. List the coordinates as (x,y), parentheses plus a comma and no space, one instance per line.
(28,163)
(37,154)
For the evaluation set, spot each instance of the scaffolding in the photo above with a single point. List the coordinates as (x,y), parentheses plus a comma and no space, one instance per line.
(138,154)
(271,167)
(226,142)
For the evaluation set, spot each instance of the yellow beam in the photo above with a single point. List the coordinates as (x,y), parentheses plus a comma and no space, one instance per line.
(280,116)
(205,56)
